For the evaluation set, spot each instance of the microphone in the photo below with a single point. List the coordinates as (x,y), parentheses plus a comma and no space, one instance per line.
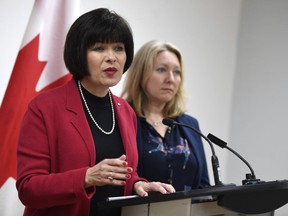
(214,159)
(250,177)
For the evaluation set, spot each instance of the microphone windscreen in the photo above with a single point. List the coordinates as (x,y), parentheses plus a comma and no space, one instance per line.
(168,122)
(217,141)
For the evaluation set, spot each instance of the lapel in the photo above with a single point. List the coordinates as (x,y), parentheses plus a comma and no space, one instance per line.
(120,117)
(124,126)
(78,119)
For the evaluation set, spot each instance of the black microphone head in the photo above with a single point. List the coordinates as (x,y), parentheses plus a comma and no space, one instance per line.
(217,141)
(169,122)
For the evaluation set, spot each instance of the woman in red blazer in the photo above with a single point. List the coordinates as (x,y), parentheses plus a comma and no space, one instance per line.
(77,142)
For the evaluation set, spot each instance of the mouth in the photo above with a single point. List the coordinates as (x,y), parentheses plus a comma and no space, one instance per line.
(110,70)
(167,89)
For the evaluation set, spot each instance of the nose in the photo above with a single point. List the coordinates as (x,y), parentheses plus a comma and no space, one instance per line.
(111,57)
(170,76)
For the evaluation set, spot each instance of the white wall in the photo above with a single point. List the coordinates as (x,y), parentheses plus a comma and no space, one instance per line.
(235,59)
(259,114)
(259,109)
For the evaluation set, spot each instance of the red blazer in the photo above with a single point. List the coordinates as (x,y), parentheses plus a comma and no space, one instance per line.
(56,148)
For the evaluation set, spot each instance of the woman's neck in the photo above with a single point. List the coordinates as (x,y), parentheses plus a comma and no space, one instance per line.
(99,91)
(154,114)
(154,117)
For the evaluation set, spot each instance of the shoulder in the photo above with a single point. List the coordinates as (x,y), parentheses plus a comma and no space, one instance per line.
(119,99)
(122,104)
(188,119)
(51,94)
(125,113)
(52,97)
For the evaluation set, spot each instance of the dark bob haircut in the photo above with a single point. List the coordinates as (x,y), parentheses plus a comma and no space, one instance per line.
(97,26)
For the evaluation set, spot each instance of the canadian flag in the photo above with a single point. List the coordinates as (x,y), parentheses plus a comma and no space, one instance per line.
(39,66)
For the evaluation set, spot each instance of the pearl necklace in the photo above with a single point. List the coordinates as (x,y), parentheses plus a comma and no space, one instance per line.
(91,116)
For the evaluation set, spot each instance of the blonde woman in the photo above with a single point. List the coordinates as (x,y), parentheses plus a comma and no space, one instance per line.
(154,88)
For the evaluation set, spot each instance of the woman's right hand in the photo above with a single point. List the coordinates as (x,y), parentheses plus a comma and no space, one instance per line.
(108,172)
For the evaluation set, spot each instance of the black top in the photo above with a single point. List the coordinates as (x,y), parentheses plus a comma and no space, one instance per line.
(107,146)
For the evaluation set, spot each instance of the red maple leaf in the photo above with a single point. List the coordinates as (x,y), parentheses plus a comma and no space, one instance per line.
(21,89)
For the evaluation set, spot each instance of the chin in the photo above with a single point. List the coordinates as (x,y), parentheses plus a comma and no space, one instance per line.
(113,83)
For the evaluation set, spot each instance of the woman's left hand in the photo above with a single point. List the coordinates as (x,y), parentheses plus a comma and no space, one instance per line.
(143,188)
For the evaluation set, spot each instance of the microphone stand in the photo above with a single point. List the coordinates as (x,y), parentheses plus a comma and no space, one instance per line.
(250,177)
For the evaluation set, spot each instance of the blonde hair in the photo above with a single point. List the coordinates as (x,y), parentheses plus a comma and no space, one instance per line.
(139,73)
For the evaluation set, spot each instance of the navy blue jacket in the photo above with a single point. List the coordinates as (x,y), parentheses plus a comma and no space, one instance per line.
(200,178)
